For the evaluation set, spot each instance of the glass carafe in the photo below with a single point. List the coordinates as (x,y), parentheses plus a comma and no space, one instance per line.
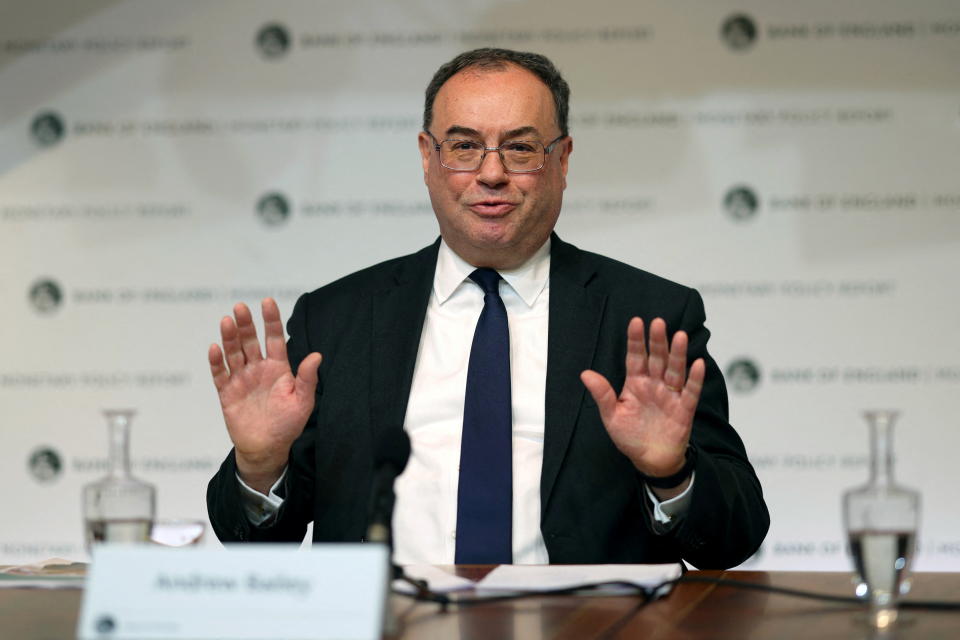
(118,508)
(881,519)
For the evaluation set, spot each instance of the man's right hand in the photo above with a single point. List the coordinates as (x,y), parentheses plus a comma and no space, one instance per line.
(264,406)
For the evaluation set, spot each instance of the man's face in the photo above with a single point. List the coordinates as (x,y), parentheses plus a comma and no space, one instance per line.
(489,217)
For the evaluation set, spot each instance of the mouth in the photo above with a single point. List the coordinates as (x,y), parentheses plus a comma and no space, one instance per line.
(492,208)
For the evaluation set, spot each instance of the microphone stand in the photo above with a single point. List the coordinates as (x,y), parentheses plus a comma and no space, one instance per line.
(390,459)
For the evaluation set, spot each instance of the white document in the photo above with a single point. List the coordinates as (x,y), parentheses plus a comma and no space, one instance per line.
(438,580)
(246,592)
(562,576)
(55,573)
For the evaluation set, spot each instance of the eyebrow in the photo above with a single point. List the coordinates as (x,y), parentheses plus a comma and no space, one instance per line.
(457,130)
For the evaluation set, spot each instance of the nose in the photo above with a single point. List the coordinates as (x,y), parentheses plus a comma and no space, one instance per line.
(492,172)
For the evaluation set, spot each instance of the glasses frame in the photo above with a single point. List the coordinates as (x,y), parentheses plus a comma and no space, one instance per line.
(547,148)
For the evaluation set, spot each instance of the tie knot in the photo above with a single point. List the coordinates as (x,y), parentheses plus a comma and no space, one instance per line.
(488,279)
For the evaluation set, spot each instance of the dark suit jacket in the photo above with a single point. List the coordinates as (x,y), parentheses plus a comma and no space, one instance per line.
(593,506)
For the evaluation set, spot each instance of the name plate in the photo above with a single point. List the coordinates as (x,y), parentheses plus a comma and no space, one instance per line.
(246,592)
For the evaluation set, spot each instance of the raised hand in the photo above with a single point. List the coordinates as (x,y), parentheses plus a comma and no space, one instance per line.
(651,419)
(264,405)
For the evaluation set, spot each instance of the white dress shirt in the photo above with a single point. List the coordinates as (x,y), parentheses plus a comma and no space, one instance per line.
(427,489)
(425,517)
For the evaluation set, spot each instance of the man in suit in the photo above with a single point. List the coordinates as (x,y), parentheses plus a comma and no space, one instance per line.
(617,446)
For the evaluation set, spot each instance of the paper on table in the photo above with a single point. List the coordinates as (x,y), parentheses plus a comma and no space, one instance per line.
(438,580)
(55,573)
(550,577)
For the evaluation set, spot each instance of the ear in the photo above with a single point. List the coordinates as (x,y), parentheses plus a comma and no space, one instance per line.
(565,158)
(426,152)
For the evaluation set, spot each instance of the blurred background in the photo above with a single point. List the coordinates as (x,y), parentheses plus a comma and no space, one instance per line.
(798,163)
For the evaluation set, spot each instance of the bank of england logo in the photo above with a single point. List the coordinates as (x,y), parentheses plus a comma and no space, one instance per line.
(743,375)
(45,296)
(273,41)
(47,129)
(105,625)
(741,203)
(44,464)
(273,209)
(739,31)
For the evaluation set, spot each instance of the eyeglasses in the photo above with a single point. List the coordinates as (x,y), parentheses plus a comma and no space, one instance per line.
(517,156)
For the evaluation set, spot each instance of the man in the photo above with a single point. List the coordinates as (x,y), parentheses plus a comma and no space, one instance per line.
(437,344)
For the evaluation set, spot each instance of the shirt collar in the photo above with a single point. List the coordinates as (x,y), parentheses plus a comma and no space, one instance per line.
(528,280)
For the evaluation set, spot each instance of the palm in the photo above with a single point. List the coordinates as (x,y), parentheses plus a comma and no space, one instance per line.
(650,420)
(261,408)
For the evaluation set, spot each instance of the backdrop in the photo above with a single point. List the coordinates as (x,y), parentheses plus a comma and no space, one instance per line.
(796,162)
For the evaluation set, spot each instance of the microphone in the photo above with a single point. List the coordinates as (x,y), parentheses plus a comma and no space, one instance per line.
(389,460)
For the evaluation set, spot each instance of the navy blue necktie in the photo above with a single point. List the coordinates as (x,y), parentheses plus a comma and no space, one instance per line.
(485,493)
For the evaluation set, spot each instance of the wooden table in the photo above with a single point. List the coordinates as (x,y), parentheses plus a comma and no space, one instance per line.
(691,612)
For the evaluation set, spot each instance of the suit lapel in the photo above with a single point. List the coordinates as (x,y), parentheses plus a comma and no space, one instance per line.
(575,314)
(398,316)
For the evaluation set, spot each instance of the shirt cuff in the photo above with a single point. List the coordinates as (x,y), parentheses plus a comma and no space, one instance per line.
(668,512)
(260,509)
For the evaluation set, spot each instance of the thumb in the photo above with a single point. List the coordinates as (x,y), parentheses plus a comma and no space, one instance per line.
(603,394)
(305,385)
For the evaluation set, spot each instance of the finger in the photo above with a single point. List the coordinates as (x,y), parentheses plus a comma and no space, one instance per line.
(217,368)
(305,386)
(657,361)
(231,344)
(247,333)
(676,362)
(603,394)
(273,330)
(691,391)
(636,349)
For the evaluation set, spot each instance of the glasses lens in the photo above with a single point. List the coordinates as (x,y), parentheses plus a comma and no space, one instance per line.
(522,155)
(461,154)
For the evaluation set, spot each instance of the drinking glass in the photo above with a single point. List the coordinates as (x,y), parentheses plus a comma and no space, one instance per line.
(177,533)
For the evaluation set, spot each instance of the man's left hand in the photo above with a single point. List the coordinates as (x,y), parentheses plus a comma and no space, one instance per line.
(651,419)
